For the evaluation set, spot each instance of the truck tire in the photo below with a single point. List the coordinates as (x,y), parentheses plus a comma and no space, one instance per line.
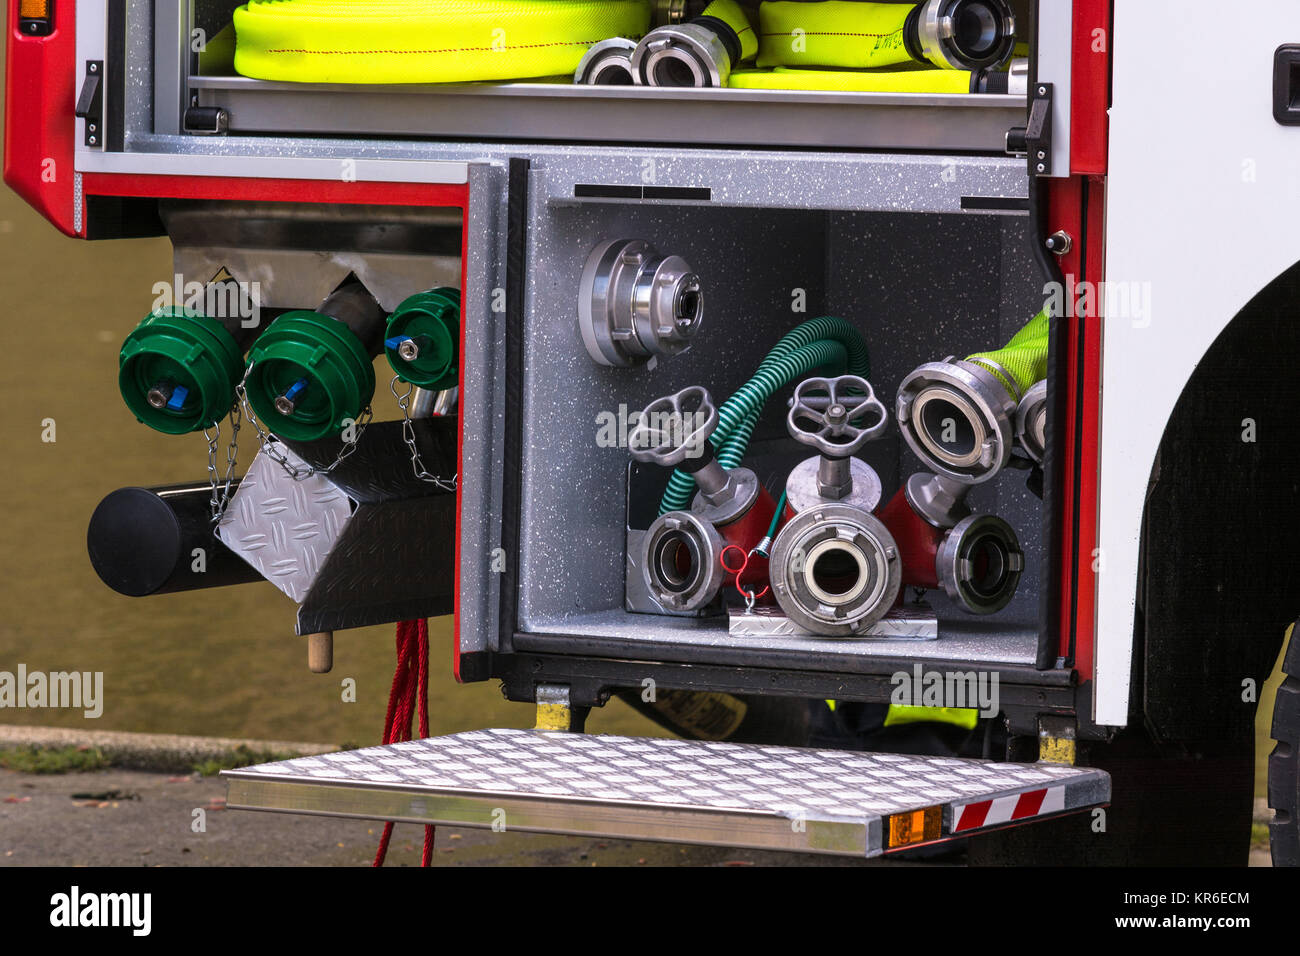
(1284,764)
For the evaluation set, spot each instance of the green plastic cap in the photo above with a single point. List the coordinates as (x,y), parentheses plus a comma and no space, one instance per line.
(178,371)
(431,322)
(310,375)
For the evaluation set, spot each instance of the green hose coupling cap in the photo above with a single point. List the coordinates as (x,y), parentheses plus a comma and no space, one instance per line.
(423,339)
(309,375)
(178,371)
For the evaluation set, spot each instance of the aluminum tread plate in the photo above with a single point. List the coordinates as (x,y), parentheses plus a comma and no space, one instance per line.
(282,527)
(686,791)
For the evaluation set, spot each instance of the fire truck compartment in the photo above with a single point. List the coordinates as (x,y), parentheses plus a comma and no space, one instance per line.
(920,286)
(556,110)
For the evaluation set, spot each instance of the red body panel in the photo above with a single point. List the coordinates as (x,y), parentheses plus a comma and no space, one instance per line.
(1078,209)
(1090,87)
(40,99)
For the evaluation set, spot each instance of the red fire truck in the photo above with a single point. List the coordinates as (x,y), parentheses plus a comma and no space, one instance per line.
(893,399)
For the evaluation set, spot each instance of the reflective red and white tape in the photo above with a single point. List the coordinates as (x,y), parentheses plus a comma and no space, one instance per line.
(1019,806)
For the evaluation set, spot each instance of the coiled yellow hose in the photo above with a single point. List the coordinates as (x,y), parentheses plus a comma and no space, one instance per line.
(894,81)
(843,33)
(733,15)
(425,41)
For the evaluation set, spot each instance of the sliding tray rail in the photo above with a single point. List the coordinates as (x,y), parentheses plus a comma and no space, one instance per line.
(550,112)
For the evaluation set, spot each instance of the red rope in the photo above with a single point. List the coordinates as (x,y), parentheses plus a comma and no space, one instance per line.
(408,695)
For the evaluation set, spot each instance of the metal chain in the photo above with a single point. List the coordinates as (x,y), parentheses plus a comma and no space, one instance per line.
(268,447)
(408,433)
(221,486)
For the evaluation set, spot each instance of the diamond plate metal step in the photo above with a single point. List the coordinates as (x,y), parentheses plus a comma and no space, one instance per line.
(677,791)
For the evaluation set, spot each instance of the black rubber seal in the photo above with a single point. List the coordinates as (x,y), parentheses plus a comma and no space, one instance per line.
(729,37)
(912,35)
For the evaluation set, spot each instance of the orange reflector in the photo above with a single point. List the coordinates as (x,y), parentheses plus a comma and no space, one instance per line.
(915,826)
(34,9)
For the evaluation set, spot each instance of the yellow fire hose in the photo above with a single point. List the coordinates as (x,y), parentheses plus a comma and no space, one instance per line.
(731,13)
(893,81)
(842,33)
(856,34)
(425,41)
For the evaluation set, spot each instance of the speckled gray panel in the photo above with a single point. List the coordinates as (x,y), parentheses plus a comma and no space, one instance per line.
(921,286)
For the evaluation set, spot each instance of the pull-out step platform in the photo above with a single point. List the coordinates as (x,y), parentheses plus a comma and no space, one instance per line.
(679,791)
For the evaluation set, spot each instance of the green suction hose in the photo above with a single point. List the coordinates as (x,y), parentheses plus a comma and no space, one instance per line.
(826,342)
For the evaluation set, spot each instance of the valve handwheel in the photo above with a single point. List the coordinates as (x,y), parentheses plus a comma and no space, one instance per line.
(836,417)
(836,409)
(674,430)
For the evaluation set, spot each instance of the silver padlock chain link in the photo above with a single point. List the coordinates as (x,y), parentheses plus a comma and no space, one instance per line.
(408,434)
(221,485)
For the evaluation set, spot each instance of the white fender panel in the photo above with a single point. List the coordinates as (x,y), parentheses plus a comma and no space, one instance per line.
(1203,203)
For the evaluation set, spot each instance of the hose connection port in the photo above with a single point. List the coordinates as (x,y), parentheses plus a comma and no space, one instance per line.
(635,304)
(1031,422)
(607,63)
(835,570)
(311,373)
(701,52)
(422,341)
(958,417)
(979,564)
(178,370)
(681,561)
(961,34)
(837,417)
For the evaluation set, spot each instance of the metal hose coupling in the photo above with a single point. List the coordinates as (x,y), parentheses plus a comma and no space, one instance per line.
(607,63)
(975,559)
(959,416)
(635,304)
(835,570)
(681,561)
(1031,422)
(701,52)
(960,34)
(979,564)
